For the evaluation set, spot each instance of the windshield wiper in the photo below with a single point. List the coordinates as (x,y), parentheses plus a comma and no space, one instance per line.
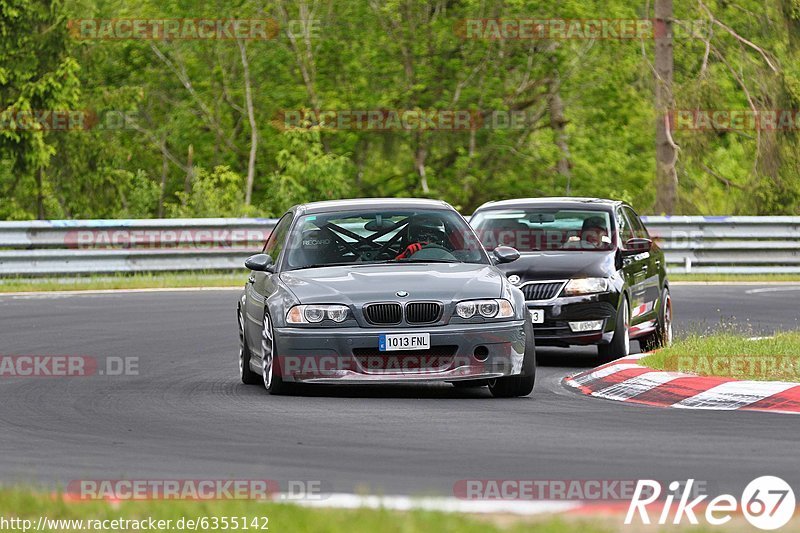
(428,261)
(321,265)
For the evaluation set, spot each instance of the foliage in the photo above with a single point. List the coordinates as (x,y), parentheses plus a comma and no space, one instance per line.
(218,193)
(185,107)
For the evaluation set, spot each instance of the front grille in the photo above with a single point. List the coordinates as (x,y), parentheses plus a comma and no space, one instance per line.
(383,313)
(542,291)
(438,358)
(423,312)
(551,328)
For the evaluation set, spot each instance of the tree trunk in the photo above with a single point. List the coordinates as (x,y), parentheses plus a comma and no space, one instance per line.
(39,194)
(558,124)
(666,151)
(164,171)
(187,183)
(251,117)
(419,164)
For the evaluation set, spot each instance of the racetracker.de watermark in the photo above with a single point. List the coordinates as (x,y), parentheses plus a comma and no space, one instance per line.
(735,119)
(65,120)
(66,366)
(523,28)
(768,367)
(166,238)
(192,29)
(403,119)
(196,489)
(545,489)
(307,367)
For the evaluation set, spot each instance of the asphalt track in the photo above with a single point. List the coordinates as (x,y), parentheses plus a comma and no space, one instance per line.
(187,415)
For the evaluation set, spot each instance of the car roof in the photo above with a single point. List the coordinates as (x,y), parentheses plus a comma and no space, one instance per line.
(331,206)
(602,204)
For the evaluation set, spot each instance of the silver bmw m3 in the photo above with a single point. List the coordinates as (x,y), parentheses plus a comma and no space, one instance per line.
(382,291)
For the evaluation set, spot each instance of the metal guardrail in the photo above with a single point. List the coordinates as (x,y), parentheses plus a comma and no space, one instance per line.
(70,247)
(719,245)
(728,245)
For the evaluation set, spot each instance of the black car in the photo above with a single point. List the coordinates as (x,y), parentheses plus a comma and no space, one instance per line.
(382,291)
(589,271)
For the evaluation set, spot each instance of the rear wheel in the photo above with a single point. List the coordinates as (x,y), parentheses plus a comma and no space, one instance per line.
(245,372)
(620,345)
(270,366)
(521,385)
(662,336)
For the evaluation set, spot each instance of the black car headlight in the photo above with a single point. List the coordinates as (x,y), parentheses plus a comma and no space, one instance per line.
(580,286)
(314,314)
(495,308)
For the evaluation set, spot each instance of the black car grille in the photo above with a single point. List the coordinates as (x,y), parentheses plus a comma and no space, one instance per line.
(541,291)
(423,312)
(552,329)
(383,313)
(436,359)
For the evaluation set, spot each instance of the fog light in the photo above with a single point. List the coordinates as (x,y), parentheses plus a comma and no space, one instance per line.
(586,325)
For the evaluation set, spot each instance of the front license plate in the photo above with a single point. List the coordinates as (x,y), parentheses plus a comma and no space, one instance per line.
(404,341)
(537,316)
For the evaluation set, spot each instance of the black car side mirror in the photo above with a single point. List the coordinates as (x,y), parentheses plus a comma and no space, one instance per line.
(637,246)
(505,254)
(260,263)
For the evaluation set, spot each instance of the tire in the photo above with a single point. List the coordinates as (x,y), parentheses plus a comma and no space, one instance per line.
(662,336)
(270,366)
(245,372)
(521,385)
(620,345)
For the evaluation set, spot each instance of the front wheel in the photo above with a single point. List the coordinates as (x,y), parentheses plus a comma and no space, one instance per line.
(662,336)
(245,372)
(270,364)
(620,345)
(522,385)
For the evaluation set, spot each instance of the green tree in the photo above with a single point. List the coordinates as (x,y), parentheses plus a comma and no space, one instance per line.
(37,77)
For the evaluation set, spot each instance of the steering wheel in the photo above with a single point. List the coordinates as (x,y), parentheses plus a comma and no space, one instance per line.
(431,247)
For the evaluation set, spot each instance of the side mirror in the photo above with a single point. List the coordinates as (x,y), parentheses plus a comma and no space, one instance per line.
(637,246)
(505,254)
(259,263)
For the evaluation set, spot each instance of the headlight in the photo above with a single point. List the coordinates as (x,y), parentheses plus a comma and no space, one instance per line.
(314,314)
(499,308)
(576,287)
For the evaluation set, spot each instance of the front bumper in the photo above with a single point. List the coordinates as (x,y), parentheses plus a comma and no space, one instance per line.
(351,355)
(559,312)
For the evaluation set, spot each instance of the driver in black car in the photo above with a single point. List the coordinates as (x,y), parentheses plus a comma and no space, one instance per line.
(420,233)
(594,233)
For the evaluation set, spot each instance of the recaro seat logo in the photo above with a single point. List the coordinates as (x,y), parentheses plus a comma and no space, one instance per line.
(768,503)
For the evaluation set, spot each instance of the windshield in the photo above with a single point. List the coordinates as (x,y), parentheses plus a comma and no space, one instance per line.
(542,229)
(387,236)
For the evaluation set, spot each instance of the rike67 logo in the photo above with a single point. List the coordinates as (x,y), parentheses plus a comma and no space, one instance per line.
(767,502)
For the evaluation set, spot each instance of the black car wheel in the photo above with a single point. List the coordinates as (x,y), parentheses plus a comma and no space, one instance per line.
(245,372)
(620,345)
(522,385)
(270,366)
(662,336)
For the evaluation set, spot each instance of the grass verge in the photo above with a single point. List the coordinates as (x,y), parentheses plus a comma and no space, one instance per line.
(236,279)
(729,355)
(121,281)
(27,505)
(735,278)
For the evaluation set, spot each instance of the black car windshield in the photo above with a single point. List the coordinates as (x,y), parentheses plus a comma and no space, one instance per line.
(542,229)
(382,236)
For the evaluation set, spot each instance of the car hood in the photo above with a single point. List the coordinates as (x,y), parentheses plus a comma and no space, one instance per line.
(561,265)
(358,284)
